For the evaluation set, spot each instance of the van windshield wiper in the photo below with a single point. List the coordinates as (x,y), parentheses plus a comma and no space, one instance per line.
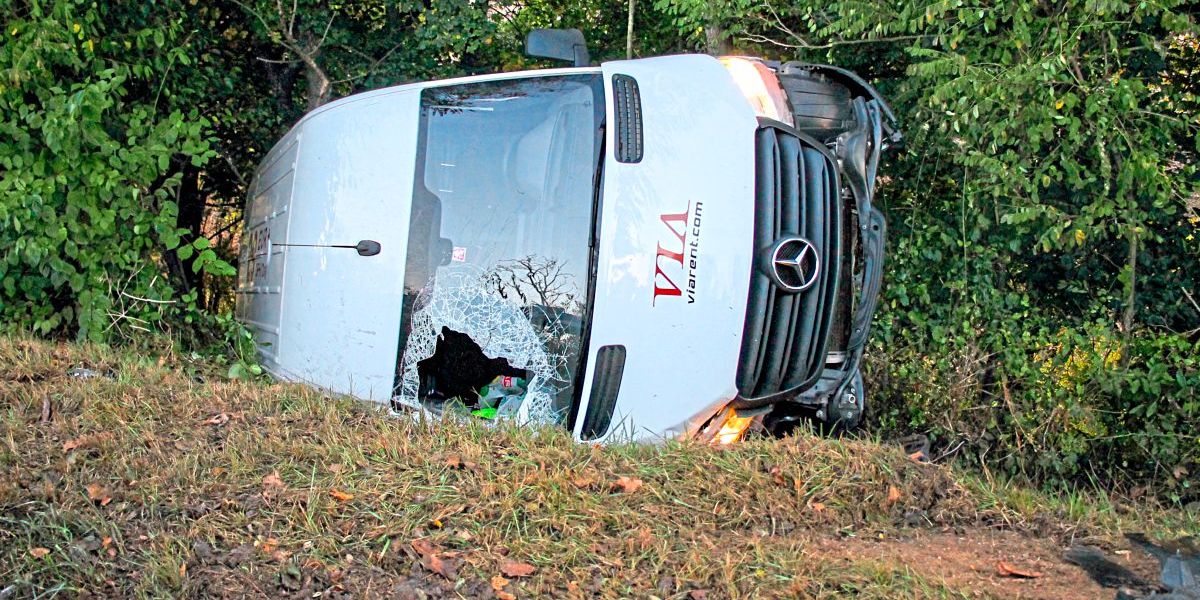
(597,177)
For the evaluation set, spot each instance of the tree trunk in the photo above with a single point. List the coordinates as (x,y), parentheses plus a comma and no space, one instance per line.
(1131,262)
(191,202)
(320,88)
(629,32)
(716,41)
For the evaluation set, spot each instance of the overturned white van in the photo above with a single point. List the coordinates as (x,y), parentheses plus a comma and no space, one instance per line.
(650,248)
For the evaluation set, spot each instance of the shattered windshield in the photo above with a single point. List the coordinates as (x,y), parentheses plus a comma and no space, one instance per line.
(496,278)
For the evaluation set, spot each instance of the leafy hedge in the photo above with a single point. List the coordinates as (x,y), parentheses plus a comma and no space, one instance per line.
(89,172)
(1039,311)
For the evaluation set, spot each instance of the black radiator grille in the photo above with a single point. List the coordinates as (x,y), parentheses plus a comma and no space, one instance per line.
(627,106)
(786,334)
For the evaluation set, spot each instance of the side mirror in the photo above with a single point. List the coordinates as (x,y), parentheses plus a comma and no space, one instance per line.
(559,44)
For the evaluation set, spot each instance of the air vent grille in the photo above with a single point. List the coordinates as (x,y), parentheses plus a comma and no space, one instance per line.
(786,334)
(627,106)
(606,383)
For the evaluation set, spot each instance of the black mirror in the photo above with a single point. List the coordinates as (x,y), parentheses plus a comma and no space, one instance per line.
(367,247)
(559,44)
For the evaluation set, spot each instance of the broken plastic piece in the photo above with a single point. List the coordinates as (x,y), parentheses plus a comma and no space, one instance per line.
(486,413)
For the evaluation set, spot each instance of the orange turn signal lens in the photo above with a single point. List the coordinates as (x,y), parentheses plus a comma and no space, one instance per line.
(760,86)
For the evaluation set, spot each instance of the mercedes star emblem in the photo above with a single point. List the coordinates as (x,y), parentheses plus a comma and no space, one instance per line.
(794,264)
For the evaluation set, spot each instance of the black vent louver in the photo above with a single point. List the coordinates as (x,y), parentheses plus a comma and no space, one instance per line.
(606,383)
(627,107)
(797,193)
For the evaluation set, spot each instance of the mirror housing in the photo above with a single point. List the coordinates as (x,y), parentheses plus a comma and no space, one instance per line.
(559,44)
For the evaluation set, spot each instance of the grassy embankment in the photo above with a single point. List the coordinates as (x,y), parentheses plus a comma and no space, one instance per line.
(151,480)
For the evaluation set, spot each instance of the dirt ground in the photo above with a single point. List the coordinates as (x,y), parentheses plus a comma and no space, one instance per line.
(968,560)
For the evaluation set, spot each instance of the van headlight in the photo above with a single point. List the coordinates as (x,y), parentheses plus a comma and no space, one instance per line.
(761,88)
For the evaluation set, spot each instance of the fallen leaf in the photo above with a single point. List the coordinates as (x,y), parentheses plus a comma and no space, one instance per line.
(86,441)
(98,493)
(584,481)
(628,485)
(273,482)
(698,595)
(39,552)
(498,583)
(337,468)
(431,560)
(341,496)
(893,494)
(777,475)
(455,461)
(423,546)
(645,537)
(502,595)
(818,506)
(514,568)
(1004,569)
(216,420)
(918,456)
(268,545)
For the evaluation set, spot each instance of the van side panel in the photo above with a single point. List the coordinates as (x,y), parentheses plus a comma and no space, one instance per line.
(260,276)
(353,182)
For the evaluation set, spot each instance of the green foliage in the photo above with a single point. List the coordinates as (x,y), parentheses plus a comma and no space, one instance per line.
(88,155)
(1043,255)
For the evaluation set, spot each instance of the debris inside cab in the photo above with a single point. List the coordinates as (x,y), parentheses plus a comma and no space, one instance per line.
(466,336)
(460,369)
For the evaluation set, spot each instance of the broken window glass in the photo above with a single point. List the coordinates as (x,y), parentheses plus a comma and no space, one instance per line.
(496,278)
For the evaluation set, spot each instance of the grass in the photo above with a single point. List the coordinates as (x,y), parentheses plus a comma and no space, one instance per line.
(159,479)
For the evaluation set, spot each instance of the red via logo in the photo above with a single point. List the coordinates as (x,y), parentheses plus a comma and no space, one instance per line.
(677,224)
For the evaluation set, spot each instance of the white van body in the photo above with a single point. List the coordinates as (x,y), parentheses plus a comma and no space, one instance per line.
(672,244)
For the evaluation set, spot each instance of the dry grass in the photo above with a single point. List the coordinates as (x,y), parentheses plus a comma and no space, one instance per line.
(150,483)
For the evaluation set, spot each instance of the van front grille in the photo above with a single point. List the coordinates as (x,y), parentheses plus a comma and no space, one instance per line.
(786,332)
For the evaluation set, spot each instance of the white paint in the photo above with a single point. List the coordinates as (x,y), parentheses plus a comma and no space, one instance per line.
(345,173)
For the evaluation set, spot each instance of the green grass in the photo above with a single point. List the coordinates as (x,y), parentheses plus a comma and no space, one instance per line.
(186,498)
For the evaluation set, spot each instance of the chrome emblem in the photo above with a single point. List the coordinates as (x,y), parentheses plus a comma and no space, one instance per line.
(794,264)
